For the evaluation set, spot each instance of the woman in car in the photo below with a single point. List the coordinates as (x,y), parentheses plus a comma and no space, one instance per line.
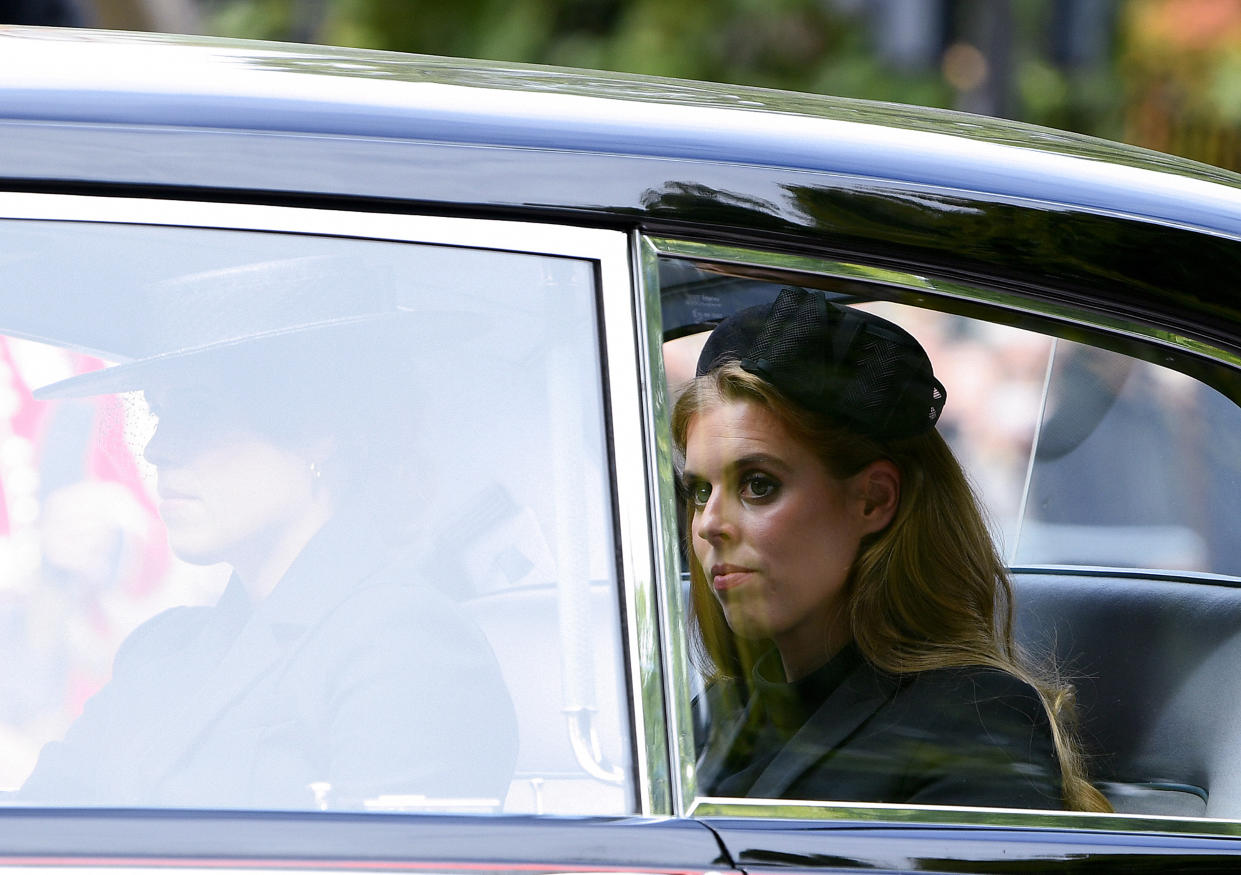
(850,606)
(332,671)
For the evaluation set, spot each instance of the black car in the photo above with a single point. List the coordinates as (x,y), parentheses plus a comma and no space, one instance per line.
(438,310)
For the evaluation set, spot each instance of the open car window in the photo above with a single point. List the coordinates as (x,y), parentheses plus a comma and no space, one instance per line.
(297,521)
(1108,469)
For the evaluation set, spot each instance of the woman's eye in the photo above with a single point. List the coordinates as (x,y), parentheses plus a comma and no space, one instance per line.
(758,486)
(699,493)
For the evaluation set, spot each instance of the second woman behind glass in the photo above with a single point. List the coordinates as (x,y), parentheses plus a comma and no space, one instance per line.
(333,671)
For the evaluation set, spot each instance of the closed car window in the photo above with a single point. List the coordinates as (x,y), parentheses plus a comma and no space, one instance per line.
(300,521)
(1061,644)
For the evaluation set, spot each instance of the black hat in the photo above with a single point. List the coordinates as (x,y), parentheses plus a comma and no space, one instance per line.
(850,365)
(233,323)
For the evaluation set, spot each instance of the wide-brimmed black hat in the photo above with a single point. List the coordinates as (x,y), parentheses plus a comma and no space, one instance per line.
(253,315)
(852,366)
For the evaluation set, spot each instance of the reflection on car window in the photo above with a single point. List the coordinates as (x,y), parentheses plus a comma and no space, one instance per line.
(303,523)
(1136,466)
(1085,456)
(997,374)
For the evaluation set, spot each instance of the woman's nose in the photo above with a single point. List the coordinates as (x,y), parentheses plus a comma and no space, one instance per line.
(158,450)
(713,522)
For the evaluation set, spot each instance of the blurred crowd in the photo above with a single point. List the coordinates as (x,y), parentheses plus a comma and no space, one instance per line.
(83,555)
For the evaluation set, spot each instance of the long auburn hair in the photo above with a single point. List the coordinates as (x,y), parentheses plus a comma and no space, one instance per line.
(928,591)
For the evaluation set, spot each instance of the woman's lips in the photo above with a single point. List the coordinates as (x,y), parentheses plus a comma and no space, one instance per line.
(175,504)
(724,577)
(176,495)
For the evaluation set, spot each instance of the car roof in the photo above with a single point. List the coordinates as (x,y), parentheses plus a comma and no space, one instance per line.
(93,76)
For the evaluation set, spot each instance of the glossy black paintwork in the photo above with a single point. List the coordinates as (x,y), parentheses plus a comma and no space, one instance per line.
(791,846)
(669,845)
(227,107)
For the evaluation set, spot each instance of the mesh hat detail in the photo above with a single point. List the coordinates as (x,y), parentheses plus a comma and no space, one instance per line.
(847,364)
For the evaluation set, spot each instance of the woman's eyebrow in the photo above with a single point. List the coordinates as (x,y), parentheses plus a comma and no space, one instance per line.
(752,460)
(759,460)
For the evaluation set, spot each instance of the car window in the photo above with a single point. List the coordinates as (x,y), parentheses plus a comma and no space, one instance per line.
(1107,472)
(296,520)
(1136,465)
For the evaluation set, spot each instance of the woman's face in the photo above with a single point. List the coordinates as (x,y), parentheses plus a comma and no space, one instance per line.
(227,494)
(775,533)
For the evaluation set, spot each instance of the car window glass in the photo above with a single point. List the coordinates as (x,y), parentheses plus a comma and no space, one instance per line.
(996,374)
(1085,456)
(1136,466)
(304,522)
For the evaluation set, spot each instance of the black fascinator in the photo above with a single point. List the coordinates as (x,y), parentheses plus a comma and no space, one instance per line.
(852,366)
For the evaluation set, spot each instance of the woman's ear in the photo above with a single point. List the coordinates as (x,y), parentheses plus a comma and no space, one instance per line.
(879,485)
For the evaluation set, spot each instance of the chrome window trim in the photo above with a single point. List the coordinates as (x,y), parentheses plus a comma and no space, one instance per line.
(534,238)
(716,807)
(673,616)
(959,815)
(1205,578)
(939,288)
(620,374)
(621,353)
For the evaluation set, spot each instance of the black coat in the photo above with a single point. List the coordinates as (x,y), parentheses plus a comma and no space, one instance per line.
(352,673)
(850,733)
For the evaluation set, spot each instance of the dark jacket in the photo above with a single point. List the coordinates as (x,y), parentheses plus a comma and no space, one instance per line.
(352,672)
(848,732)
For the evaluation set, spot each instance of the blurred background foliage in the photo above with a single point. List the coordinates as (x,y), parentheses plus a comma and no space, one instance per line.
(1165,74)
